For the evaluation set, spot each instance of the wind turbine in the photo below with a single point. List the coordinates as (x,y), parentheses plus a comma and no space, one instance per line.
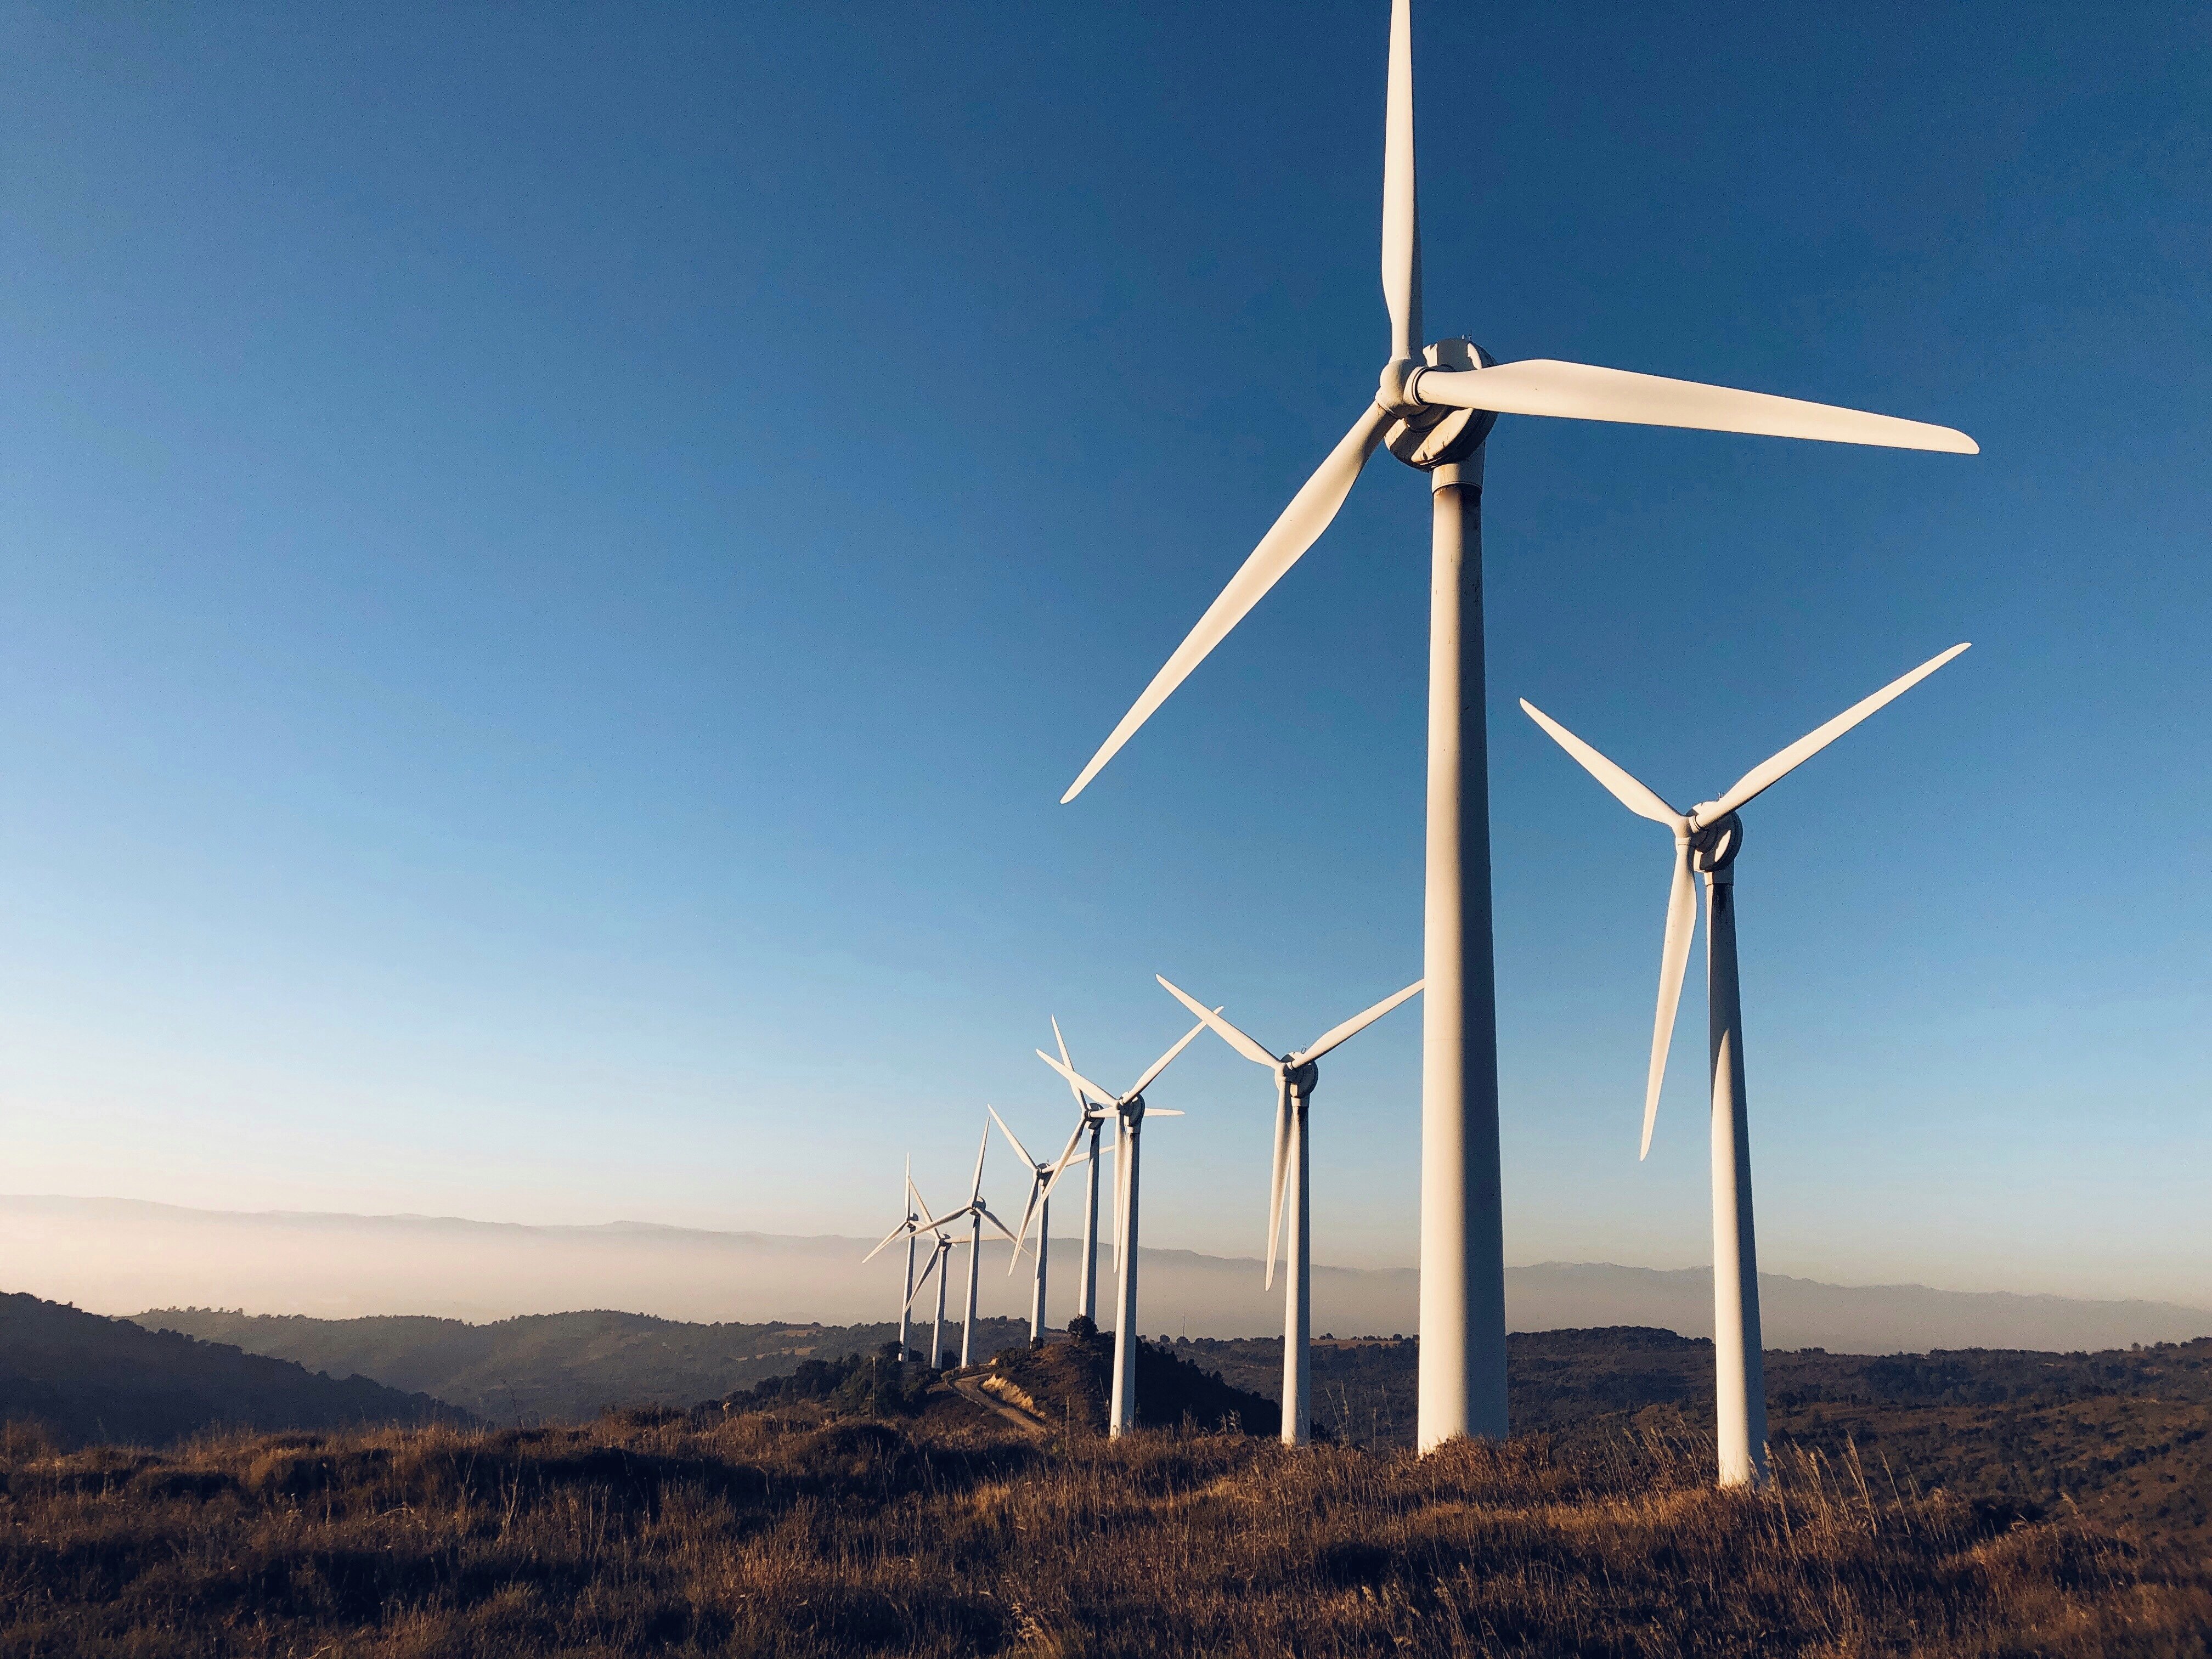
(1043,1177)
(1707,839)
(909,1229)
(1296,1075)
(977,1212)
(939,1249)
(1129,1110)
(1092,1117)
(1434,409)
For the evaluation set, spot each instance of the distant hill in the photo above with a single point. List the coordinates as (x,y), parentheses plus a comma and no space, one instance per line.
(561,1367)
(116,1257)
(87,1378)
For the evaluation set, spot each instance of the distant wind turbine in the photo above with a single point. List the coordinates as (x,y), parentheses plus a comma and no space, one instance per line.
(1091,1118)
(1707,839)
(907,1229)
(977,1212)
(1296,1075)
(1043,1177)
(1129,1111)
(1433,409)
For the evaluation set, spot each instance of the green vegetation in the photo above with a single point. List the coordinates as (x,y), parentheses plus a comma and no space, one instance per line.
(802,1531)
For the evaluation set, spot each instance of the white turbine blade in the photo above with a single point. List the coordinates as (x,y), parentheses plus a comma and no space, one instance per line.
(900,1232)
(1580,392)
(1072,1086)
(1067,1155)
(1022,1152)
(982,1146)
(1229,1034)
(1356,1023)
(1770,772)
(1077,1078)
(1160,1065)
(1165,1111)
(1625,789)
(1674,963)
(935,1256)
(1275,1182)
(1298,529)
(1401,230)
(984,1211)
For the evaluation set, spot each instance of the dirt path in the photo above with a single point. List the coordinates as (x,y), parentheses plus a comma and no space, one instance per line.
(972,1388)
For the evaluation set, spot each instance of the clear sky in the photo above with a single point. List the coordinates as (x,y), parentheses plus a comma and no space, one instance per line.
(556,562)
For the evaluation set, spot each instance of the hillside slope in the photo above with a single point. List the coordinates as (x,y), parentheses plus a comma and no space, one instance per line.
(86,1378)
(555,1367)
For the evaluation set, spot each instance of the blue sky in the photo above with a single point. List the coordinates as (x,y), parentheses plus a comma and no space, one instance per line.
(556,564)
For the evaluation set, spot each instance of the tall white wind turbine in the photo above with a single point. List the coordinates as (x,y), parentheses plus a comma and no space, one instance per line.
(1129,1111)
(1434,409)
(1289,1189)
(909,1229)
(977,1212)
(1707,839)
(1043,1177)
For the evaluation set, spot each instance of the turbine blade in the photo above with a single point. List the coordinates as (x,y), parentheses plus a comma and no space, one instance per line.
(935,1256)
(1401,229)
(1625,789)
(1674,963)
(984,1211)
(1077,1078)
(898,1232)
(1356,1023)
(1160,1065)
(1770,772)
(1072,1086)
(982,1146)
(1229,1034)
(1275,1182)
(1580,392)
(1165,1111)
(1020,1150)
(1297,530)
(1067,1155)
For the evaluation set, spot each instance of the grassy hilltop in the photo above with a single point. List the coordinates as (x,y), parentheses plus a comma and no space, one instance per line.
(807,1530)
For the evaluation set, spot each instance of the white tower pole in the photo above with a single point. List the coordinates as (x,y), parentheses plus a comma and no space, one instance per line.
(943,1273)
(1044,1249)
(1087,1299)
(975,1264)
(1740,1375)
(1122,1414)
(1297,1295)
(906,1308)
(1462,1368)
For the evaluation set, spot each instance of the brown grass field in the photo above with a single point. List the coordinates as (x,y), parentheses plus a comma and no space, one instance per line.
(801,1532)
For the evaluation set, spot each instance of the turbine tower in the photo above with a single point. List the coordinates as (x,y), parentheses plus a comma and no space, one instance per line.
(909,1228)
(1296,1075)
(977,1212)
(1707,839)
(1129,1111)
(1043,1177)
(1433,410)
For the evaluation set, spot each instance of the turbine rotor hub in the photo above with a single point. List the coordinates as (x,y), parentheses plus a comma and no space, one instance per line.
(1426,436)
(1713,849)
(1303,1077)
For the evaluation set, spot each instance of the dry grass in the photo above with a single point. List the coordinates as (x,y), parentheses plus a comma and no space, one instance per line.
(792,1536)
